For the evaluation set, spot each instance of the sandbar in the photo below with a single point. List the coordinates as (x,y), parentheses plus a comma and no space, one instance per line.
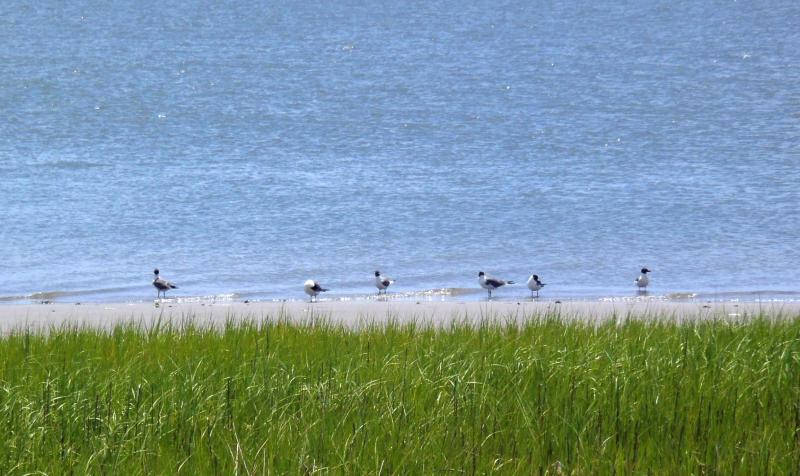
(356,313)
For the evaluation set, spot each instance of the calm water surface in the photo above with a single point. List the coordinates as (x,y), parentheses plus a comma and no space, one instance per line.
(243,147)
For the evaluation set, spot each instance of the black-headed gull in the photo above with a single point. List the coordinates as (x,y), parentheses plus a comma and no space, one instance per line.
(489,283)
(312,288)
(534,284)
(643,280)
(162,285)
(382,282)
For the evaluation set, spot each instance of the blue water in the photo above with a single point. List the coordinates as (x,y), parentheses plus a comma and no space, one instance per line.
(243,147)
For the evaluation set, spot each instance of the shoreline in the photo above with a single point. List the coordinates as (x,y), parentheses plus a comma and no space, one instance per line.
(117,292)
(110,297)
(40,317)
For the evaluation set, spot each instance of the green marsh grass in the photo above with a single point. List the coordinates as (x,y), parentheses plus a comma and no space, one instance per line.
(540,396)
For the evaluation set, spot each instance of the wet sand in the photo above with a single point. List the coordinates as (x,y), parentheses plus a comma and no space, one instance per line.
(40,317)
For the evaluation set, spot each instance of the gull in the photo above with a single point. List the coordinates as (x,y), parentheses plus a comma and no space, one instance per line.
(162,285)
(643,280)
(312,288)
(490,284)
(382,283)
(534,284)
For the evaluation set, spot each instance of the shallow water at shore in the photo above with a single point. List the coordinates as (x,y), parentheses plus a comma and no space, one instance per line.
(428,295)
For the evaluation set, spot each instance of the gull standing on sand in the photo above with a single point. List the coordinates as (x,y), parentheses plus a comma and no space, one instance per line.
(643,280)
(534,284)
(312,288)
(162,285)
(491,284)
(382,283)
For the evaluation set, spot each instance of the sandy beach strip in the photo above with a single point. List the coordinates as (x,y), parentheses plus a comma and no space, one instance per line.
(40,317)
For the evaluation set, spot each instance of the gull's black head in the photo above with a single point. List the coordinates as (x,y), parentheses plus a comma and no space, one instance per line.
(536,277)
(155,271)
(645,270)
(480,273)
(377,273)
